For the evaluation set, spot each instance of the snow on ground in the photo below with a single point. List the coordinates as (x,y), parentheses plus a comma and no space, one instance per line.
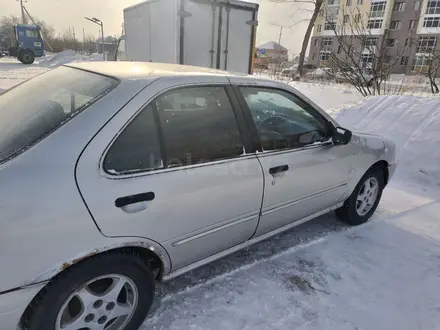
(324,275)
(413,123)
(13,72)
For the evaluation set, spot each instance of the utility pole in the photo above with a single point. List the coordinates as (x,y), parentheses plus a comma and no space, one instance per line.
(281,33)
(284,26)
(84,41)
(23,15)
(281,30)
(74,38)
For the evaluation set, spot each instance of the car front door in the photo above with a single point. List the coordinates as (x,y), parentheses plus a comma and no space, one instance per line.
(305,173)
(175,169)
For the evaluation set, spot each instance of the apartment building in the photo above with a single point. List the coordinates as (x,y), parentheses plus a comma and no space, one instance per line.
(406,30)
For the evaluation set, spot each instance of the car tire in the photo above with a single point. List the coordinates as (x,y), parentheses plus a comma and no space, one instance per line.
(26,57)
(360,206)
(84,294)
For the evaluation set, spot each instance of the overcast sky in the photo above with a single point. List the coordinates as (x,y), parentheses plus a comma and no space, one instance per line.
(64,13)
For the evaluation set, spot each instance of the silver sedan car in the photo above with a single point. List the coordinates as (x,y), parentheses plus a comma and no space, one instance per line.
(115,175)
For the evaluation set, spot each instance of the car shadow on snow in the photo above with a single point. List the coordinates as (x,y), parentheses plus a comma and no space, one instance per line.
(382,275)
(297,236)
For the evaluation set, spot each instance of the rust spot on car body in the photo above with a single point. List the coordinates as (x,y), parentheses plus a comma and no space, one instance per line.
(76,260)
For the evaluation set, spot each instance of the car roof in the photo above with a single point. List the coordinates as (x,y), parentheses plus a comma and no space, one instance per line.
(138,70)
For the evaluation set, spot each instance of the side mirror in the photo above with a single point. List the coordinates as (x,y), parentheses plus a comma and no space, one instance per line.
(341,136)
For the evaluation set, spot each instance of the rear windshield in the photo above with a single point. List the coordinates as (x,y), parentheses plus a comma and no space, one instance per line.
(34,109)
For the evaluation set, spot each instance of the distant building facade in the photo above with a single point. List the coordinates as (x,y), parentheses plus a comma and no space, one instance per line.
(271,55)
(408,29)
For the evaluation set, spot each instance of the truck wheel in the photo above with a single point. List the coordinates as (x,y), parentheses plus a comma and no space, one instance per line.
(362,203)
(110,291)
(26,57)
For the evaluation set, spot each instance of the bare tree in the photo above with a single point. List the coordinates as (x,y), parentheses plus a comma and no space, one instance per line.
(433,67)
(7,25)
(317,6)
(427,61)
(359,57)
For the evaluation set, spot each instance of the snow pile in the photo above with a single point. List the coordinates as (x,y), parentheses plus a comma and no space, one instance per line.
(64,57)
(413,123)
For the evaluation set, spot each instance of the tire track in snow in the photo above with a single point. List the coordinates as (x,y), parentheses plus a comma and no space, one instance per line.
(422,125)
(376,110)
(399,103)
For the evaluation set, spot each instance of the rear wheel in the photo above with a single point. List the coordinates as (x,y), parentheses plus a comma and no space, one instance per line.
(362,203)
(112,292)
(26,57)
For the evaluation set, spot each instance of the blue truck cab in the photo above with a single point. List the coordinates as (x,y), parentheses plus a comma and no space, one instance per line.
(29,43)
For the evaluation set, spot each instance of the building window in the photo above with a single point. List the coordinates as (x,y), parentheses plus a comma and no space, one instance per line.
(374,24)
(313,57)
(324,56)
(421,63)
(326,42)
(366,60)
(412,24)
(332,2)
(433,7)
(319,28)
(377,9)
(431,22)
(404,60)
(426,45)
(408,42)
(346,17)
(417,5)
(332,14)
(399,6)
(330,26)
(348,3)
(386,59)
(371,41)
(316,42)
(391,42)
(395,25)
(321,13)
(360,2)
(357,18)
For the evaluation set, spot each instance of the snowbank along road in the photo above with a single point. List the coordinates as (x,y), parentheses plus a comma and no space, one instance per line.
(323,275)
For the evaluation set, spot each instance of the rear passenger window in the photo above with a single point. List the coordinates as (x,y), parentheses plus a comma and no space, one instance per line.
(137,148)
(182,127)
(198,126)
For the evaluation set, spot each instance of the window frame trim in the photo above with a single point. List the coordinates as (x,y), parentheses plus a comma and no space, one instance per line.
(253,128)
(238,114)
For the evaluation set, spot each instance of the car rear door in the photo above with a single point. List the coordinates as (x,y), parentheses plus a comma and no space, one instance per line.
(305,174)
(174,166)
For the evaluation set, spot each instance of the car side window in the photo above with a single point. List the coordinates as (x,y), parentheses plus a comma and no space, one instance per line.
(137,148)
(198,125)
(181,127)
(283,120)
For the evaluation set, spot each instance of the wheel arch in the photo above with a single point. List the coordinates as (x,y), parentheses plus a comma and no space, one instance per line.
(382,165)
(147,254)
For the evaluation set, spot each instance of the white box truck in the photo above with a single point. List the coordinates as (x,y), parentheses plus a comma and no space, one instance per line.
(216,34)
